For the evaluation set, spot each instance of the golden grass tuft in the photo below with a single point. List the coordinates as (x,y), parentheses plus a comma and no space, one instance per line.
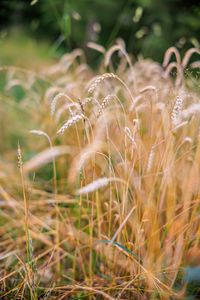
(105,203)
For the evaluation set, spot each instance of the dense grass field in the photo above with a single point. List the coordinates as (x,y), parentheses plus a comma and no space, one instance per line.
(99,178)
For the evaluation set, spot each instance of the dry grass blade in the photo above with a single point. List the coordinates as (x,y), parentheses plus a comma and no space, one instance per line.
(151,158)
(41,133)
(45,157)
(122,224)
(97,184)
(188,55)
(114,49)
(148,88)
(169,53)
(193,109)
(56,99)
(96,47)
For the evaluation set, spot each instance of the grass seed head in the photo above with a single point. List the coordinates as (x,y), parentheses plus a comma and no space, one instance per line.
(99,80)
(176,113)
(70,123)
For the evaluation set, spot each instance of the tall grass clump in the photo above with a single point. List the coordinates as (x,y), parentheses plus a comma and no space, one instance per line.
(105,203)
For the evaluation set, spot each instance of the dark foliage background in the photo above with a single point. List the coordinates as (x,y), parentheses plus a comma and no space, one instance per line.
(148,27)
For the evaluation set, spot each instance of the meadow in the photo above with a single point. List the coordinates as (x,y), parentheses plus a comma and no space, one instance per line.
(99,178)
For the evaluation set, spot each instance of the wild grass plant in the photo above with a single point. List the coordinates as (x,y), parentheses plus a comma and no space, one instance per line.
(104,201)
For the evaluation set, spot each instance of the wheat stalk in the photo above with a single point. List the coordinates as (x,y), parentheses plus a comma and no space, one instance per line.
(104,103)
(175,116)
(67,107)
(56,99)
(130,135)
(97,184)
(96,47)
(99,80)
(122,225)
(70,123)
(169,53)
(151,158)
(105,76)
(193,109)
(188,55)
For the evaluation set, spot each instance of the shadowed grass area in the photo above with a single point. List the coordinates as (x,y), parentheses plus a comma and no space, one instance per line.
(27,52)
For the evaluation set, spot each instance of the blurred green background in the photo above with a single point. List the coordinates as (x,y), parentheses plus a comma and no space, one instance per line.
(148,27)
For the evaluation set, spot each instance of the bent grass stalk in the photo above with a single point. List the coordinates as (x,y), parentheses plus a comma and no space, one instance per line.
(29,250)
(122,225)
(42,133)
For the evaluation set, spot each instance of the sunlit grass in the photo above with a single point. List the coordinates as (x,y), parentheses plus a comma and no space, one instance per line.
(99,179)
